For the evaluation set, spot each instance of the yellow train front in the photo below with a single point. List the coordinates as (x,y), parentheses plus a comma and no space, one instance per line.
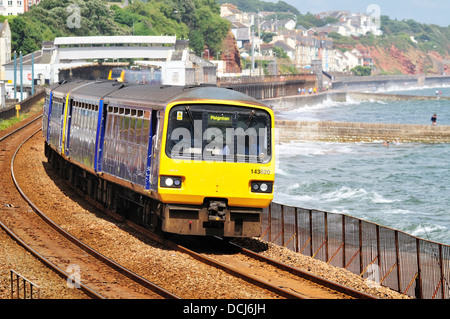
(193,161)
(216,165)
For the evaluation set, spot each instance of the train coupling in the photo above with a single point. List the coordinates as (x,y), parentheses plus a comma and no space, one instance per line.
(217,211)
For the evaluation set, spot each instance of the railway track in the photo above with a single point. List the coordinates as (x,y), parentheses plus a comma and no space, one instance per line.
(83,267)
(281,280)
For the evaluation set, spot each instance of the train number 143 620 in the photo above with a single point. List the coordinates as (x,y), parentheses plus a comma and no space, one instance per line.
(260,171)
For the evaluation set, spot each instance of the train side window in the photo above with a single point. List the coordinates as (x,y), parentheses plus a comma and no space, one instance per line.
(132,134)
(139,127)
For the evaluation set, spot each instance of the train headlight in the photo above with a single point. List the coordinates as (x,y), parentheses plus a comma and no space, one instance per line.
(170,181)
(262,187)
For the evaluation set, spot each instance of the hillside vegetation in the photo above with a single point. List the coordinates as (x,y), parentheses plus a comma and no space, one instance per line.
(406,46)
(394,52)
(196,20)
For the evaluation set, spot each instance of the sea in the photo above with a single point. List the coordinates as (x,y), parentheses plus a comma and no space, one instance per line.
(404,186)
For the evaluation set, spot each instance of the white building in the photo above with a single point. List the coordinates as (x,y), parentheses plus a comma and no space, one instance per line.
(5,47)
(16,7)
(46,70)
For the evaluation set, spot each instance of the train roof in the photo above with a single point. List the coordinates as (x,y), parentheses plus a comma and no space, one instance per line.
(95,90)
(163,95)
(144,95)
(140,94)
(62,90)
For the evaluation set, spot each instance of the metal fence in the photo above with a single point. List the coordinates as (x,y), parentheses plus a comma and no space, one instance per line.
(22,288)
(391,258)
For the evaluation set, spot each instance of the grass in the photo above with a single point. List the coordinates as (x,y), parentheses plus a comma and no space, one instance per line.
(6,123)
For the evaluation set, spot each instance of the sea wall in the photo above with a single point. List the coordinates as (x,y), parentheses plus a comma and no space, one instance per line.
(363,96)
(295,101)
(291,131)
(384,82)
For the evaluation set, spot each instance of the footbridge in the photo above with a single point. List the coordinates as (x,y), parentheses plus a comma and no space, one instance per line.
(114,47)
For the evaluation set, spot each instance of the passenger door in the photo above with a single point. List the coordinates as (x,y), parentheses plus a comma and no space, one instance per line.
(154,149)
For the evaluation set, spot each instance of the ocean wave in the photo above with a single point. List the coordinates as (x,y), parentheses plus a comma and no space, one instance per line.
(288,150)
(379,199)
(344,193)
(424,231)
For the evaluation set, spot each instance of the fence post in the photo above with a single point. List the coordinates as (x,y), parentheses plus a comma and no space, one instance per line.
(377,230)
(343,240)
(361,266)
(270,223)
(25,283)
(282,225)
(397,253)
(311,252)
(326,236)
(418,290)
(296,230)
(442,272)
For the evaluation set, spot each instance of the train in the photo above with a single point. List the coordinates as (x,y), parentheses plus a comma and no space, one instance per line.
(152,75)
(178,160)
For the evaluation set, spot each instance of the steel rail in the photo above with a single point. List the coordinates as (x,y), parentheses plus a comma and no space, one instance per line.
(216,264)
(88,291)
(20,128)
(124,271)
(234,272)
(305,275)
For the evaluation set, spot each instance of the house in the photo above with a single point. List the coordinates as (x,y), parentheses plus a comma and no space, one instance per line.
(353,59)
(366,57)
(267,49)
(16,7)
(241,33)
(290,51)
(352,23)
(228,10)
(233,14)
(5,47)
(288,24)
(339,15)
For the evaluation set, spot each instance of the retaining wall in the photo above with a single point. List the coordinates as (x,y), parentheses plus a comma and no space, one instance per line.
(25,105)
(291,131)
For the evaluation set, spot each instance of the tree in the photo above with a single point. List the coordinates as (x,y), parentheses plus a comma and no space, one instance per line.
(361,70)
(211,28)
(24,37)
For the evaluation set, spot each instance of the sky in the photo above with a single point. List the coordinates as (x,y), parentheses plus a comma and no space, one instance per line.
(431,11)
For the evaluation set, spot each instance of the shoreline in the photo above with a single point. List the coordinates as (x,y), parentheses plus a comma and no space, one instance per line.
(350,132)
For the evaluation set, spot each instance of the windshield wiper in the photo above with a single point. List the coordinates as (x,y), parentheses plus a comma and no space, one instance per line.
(250,118)
(191,118)
(188,111)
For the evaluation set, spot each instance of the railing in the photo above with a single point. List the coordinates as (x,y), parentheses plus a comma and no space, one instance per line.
(391,258)
(21,284)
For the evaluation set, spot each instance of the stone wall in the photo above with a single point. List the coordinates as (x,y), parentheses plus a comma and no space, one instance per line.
(288,131)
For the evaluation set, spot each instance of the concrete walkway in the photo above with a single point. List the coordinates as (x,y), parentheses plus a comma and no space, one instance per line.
(291,131)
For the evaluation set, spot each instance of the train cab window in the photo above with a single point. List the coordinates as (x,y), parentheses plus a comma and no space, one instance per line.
(219,133)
